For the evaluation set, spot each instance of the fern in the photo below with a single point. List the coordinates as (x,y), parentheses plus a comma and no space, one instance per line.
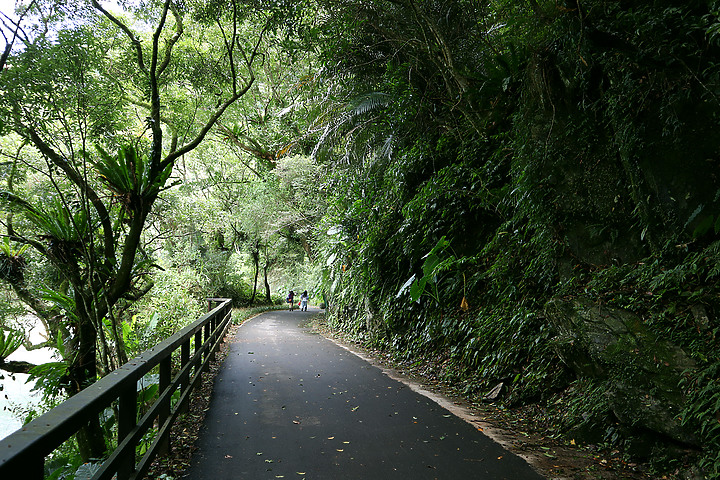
(9,342)
(368,103)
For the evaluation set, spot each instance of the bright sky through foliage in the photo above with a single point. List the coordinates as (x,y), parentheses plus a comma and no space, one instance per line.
(8,8)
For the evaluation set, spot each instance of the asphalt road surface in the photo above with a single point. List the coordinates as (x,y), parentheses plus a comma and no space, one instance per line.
(291,404)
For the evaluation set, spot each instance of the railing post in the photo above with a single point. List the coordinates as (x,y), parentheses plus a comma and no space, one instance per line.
(34,470)
(208,351)
(164,412)
(198,346)
(185,379)
(214,334)
(126,422)
(40,471)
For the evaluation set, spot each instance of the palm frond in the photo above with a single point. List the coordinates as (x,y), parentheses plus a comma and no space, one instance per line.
(368,103)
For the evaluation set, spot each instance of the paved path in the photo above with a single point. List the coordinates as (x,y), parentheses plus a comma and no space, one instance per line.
(291,404)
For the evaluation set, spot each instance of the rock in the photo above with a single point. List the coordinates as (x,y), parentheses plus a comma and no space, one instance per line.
(641,372)
(701,317)
(494,394)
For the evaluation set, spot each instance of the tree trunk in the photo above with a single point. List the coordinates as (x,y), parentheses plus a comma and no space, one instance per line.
(257,274)
(91,440)
(307,248)
(82,372)
(267,284)
(256,260)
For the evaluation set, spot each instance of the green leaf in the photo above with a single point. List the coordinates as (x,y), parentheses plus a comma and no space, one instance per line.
(405,286)
(417,288)
(151,324)
(695,213)
(148,394)
(704,226)
(12,199)
(10,342)
(62,301)
(49,377)
(430,264)
(117,172)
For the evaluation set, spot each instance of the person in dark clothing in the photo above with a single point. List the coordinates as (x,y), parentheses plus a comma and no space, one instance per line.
(291,300)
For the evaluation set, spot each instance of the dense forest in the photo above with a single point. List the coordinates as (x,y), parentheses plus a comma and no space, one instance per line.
(525,193)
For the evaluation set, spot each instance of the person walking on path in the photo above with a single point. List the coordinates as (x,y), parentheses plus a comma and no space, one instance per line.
(303,301)
(291,300)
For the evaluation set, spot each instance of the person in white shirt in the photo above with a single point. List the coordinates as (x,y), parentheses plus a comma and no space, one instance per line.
(303,301)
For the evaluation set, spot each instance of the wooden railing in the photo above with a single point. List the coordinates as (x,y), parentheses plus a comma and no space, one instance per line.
(22,454)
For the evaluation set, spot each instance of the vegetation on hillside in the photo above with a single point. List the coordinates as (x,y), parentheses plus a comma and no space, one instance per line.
(500,156)
(527,191)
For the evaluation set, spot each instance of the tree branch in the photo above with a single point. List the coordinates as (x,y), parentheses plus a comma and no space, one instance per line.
(221,109)
(9,43)
(14,366)
(173,40)
(137,294)
(123,279)
(133,39)
(37,346)
(78,180)
(254,149)
(157,141)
